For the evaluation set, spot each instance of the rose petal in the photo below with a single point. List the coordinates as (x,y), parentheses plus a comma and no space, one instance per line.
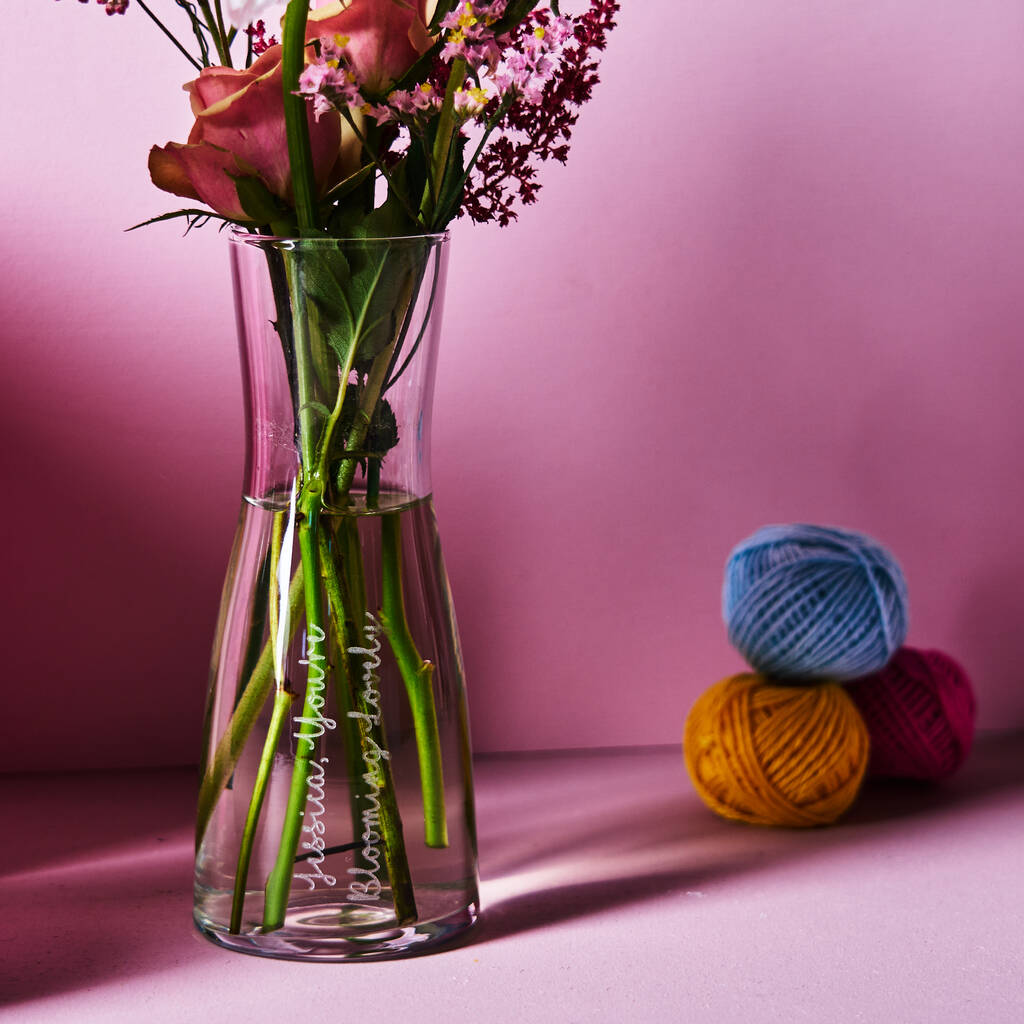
(218,83)
(250,124)
(380,36)
(207,170)
(167,171)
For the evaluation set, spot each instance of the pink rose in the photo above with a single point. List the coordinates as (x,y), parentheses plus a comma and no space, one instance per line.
(240,131)
(385,37)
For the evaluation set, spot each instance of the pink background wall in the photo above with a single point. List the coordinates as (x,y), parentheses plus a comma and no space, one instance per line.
(780,279)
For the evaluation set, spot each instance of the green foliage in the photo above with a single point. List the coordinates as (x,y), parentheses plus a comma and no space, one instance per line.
(359,297)
(194,219)
(383,433)
(259,203)
(346,188)
(316,407)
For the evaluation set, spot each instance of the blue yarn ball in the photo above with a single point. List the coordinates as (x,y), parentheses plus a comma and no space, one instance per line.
(808,602)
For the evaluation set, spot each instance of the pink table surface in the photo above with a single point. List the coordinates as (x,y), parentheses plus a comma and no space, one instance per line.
(610,894)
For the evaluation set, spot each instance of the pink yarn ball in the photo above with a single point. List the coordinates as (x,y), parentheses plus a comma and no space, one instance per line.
(919,711)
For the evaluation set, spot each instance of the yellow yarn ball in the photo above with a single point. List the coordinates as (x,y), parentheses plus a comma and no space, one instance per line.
(776,755)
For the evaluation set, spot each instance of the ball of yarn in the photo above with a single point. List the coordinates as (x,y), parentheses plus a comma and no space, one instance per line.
(775,755)
(920,712)
(813,602)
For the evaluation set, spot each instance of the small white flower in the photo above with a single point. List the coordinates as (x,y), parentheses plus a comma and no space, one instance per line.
(247,12)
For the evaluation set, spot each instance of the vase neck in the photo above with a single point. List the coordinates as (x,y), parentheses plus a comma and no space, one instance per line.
(338,344)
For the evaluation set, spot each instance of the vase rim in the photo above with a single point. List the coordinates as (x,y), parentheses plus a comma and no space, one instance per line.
(238,236)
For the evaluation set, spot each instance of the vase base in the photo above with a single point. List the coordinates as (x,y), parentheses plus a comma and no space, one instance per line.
(387,944)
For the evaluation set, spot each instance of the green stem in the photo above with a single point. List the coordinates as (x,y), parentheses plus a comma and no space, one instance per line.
(211,25)
(282,702)
(311,723)
(198,30)
(369,741)
(443,140)
(222,33)
(341,677)
(363,419)
(300,154)
(417,675)
(355,577)
(466,758)
(170,35)
(393,374)
(446,125)
(276,540)
(372,481)
(304,370)
(243,718)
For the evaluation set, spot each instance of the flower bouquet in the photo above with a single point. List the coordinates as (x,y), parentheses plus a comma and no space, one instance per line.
(335,815)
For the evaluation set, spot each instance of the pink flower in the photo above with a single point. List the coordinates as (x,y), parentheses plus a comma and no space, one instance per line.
(469,34)
(111,6)
(330,87)
(258,39)
(239,131)
(383,38)
(525,72)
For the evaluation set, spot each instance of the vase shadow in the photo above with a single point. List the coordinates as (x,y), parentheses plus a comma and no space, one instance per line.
(658,846)
(563,838)
(97,922)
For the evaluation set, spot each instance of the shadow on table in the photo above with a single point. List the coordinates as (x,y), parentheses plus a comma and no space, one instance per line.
(655,847)
(98,812)
(99,891)
(106,895)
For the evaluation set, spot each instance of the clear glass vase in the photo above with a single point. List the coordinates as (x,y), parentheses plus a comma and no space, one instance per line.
(335,815)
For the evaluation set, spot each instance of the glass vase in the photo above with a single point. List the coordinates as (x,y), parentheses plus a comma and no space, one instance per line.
(335,817)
